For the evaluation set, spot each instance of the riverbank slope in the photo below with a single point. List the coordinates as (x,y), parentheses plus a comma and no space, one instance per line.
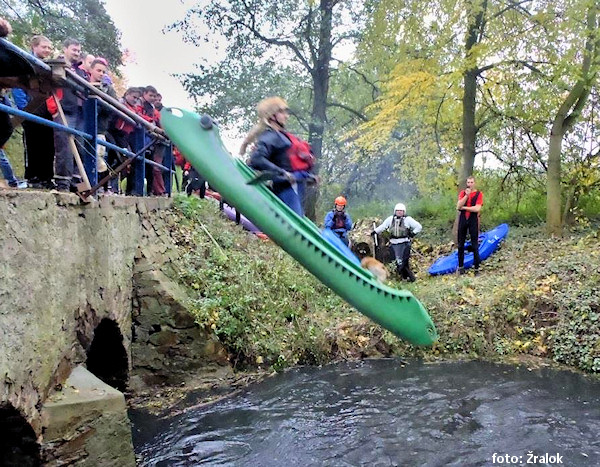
(535,298)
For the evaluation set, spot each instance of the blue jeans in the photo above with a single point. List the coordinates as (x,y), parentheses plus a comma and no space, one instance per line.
(7,170)
(291,199)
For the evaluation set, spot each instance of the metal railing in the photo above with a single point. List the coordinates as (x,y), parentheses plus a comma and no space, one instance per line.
(23,70)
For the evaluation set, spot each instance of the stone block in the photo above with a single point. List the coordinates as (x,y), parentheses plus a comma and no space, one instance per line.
(179,318)
(164,338)
(86,424)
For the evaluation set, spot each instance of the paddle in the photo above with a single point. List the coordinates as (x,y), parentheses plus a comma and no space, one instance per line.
(264,177)
(375,241)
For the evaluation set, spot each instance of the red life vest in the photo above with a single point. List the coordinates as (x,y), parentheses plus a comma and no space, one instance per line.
(300,154)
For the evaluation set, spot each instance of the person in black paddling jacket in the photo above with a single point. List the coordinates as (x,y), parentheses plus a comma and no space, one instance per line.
(271,150)
(469,205)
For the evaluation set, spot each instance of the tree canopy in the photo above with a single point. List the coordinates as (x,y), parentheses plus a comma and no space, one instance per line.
(84,20)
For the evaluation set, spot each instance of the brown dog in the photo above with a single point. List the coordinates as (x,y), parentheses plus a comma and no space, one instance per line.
(363,251)
(375,267)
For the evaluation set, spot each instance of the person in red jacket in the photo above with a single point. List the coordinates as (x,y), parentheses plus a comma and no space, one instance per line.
(146,109)
(469,205)
(72,106)
(122,131)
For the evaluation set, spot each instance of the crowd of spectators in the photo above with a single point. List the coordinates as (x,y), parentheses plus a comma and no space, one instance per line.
(49,155)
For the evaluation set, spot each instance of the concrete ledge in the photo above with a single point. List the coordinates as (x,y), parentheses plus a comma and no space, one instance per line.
(86,423)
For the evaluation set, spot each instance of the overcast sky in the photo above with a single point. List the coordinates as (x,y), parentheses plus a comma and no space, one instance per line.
(157,55)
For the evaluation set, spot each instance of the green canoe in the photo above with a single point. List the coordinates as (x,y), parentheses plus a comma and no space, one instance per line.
(396,310)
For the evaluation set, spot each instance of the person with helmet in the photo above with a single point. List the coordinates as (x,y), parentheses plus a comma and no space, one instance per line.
(402,229)
(338,220)
(270,153)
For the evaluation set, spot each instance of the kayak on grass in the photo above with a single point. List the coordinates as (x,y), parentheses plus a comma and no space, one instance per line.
(488,243)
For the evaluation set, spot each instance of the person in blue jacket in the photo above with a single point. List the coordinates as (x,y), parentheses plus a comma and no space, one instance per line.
(339,220)
(6,128)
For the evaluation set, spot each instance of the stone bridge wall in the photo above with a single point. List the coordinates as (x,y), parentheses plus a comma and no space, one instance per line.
(64,266)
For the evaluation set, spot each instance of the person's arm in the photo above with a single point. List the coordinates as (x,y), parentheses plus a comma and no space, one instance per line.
(348,223)
(462,199)
(259,159)
(328,222)
(477,206)
(413,225)
(384,225)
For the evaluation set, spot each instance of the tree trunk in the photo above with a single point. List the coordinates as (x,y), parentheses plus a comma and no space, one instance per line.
(567,115)
(320,78)
(476,23)
(469,130)
(570,202)
(553,190)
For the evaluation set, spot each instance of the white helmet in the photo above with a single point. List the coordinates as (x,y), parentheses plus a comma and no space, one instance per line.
(400,207)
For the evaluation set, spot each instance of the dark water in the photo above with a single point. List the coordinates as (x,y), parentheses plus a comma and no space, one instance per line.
(382,413)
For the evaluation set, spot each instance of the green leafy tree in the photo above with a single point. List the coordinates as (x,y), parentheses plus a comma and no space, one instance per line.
(84,20)
(524,68)
(569,111)
(275,47)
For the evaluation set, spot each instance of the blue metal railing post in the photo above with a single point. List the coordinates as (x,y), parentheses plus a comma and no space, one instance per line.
(168,162)
(139,166)
(90,126)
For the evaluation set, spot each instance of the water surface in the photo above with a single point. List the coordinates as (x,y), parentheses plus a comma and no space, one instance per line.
(387,413)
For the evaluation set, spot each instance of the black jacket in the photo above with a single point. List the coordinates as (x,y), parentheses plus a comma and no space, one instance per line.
(72,101)
(271,154)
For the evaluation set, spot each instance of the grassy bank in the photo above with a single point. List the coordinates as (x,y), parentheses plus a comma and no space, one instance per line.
(535,297)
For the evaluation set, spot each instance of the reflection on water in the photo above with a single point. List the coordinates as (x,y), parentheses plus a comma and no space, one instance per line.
(382,413)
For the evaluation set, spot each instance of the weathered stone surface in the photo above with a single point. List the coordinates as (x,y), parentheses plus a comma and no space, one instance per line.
(86,424)
(164,338)
(64,266)
(169,347)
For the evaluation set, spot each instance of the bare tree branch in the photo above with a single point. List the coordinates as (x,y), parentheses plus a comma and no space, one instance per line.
(345,107)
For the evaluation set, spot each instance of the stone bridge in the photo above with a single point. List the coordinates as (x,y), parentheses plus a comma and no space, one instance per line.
(84,311)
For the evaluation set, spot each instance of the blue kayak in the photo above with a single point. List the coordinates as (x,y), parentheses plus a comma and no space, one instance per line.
(488,243)
(337,242)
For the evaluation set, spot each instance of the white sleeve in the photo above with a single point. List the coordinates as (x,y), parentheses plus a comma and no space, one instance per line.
(413,225)
(384,225)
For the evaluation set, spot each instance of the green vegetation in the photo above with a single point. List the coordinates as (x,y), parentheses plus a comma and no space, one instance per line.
(535,297)
(263,306)
(84,20)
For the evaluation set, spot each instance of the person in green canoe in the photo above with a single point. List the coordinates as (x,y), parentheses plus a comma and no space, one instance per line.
(271,150)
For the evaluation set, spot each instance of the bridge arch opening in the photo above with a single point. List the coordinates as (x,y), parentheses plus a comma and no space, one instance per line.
(107,357)
(18,443)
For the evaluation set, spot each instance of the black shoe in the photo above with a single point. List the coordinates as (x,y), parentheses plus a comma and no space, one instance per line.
(476,272)
(63,186)
(461,271)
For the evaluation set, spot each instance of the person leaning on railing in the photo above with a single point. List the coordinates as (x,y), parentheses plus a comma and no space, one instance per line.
(72,106)
(38,139)
(122,131)
(154,177)
(6,127)
(106,159)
